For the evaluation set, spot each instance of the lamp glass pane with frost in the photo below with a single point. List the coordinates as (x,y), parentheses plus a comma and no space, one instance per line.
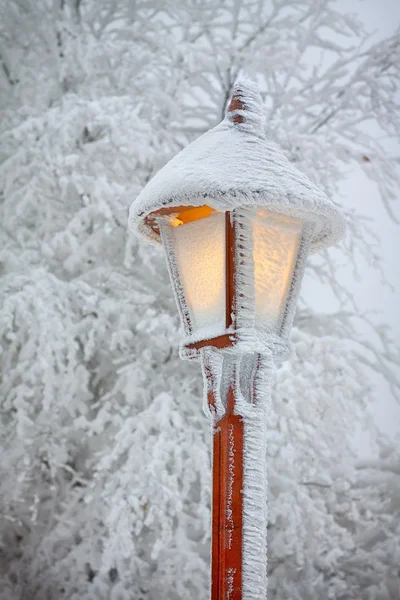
(232,270)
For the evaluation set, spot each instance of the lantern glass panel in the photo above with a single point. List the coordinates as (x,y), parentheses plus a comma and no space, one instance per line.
(276,243)
(199,248)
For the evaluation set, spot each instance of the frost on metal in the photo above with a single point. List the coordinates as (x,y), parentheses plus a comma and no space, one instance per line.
(253,376)
(245,108)
(255,513)
(234,165)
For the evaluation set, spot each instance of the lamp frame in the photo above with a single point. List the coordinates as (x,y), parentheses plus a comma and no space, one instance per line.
(232,340)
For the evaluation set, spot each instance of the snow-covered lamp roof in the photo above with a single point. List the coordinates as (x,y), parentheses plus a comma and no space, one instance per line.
(234,165)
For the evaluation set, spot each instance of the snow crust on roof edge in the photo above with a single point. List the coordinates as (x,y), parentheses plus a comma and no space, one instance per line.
(234,165)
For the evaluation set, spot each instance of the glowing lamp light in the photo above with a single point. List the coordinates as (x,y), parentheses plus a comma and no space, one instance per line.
(235,274)
(237,221)
(200,259)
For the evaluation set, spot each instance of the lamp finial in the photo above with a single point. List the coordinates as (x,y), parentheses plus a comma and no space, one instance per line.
(246,106)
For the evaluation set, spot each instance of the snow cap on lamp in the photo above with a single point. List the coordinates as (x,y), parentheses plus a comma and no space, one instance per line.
(234,165)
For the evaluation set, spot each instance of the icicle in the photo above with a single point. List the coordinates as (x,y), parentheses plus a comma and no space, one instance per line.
(212,367)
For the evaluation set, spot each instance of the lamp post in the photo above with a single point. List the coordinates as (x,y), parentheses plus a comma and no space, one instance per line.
(237,221)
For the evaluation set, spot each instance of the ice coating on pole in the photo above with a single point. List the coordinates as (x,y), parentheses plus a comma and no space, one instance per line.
(255,492)
(234,165)
(253,376)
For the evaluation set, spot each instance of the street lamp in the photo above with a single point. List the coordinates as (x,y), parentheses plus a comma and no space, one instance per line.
(237,221)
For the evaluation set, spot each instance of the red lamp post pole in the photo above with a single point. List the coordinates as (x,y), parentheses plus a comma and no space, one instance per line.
(227,507)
